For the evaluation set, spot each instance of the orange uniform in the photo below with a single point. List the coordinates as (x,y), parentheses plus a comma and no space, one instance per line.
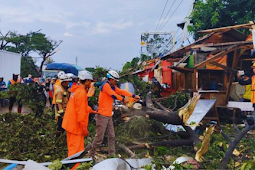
(76,119)
(107,95)
(91,90)
(56,85)
(253,89)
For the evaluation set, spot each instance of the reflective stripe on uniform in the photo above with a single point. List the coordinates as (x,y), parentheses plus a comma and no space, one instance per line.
(61,111)
(58,100)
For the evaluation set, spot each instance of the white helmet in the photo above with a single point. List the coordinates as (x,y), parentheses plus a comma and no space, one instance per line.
(64,77)
(61,73)
(70,75)
(85,75)
(113,75)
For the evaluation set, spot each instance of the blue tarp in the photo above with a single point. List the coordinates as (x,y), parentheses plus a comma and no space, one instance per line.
(67,68)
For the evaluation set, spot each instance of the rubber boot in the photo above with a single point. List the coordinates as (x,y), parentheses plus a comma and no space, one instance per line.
(19,110)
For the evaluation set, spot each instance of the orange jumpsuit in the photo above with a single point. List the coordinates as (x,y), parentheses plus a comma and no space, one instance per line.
(76,119)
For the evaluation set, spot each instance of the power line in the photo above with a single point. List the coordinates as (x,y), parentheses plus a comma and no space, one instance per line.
(170,16)
(161,15)
(166,15)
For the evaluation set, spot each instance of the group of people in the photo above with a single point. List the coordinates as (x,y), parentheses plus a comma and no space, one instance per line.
(72,109)
(3,87)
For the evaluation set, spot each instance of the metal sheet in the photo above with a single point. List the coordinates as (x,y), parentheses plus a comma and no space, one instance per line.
(202,108)
(244,106)
(45,163)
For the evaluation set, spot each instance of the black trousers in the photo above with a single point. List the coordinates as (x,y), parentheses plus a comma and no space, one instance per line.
(12,101)
(60,130)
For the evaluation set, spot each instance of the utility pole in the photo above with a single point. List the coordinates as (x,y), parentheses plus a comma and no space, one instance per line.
(76,60)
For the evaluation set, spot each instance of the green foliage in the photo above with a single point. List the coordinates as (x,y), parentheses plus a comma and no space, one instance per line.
(93,101)
(85,165)
(220,13)
(99,72)
(127,66)
(140,86)
(145,57)
(26,137)
(31,42)
(133,65)
(248,164)
(182,167)
(139,127)
(28,67)
(56,165)
(176,100)
(31,95)
(147,167)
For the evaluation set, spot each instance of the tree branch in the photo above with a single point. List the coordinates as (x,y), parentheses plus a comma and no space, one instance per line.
(161,106)
(233,144)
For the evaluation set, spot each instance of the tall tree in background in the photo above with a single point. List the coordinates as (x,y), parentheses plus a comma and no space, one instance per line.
(219,13)
(31,43)
(26,68)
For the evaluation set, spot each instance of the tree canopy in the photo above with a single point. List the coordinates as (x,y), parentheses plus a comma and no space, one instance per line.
(33,42)
(219,13)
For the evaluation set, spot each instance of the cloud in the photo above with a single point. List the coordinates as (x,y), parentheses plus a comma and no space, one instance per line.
(104,28)
(66,34)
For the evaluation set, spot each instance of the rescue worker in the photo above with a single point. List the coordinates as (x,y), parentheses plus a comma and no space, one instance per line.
(2,88)
(104,124)
(2,84)
(74,81)
(70,76)
(253,90)
(56,85)
(246,81)
(51,92)
(76,117)
(15,80)
(95,84)
(62,96)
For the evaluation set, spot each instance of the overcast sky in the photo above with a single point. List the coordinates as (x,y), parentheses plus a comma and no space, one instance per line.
(102,33)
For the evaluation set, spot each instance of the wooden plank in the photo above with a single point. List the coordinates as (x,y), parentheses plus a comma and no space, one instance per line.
(225,28)
(182,60)
(185,49)
(221,44)
(223,66)
(180,69)
(220,54)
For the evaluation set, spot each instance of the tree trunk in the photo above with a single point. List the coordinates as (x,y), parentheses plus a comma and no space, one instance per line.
(171,118)
(168,143)
(41,66)
(162,116)
(126,150)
